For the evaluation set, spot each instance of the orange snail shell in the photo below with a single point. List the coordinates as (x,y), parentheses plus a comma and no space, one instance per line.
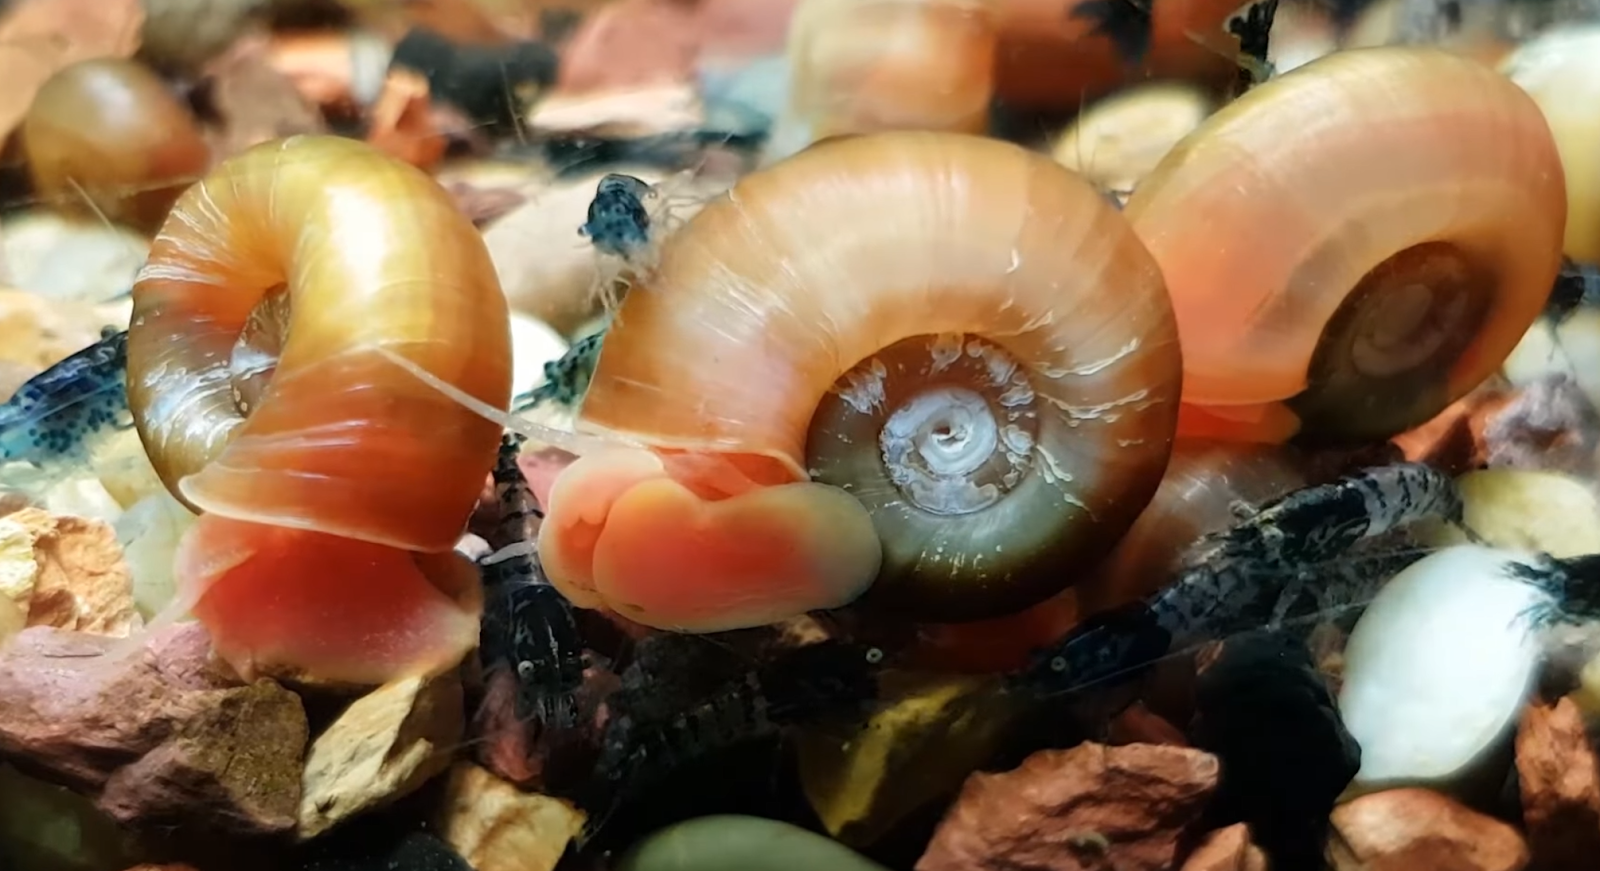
(106,136)
(331,509)
(1353,246)
(935,304)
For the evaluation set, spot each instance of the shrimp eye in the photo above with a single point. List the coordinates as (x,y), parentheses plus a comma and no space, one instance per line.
(874,655)
(1058,664)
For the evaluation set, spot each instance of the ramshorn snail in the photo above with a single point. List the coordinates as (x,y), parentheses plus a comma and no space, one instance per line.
(935,360)
(334,485)
(1354,245)
(107,136)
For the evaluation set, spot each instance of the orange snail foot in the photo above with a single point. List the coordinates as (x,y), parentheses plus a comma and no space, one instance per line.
(675,541)
(319,608)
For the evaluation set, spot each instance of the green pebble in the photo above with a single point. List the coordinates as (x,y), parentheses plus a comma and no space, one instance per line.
(740,843)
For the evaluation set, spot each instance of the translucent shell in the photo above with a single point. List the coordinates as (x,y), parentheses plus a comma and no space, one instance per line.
(959,334)
(1206,484)
(276,414)
(1561,70)
(1354,245)
(1117,141)
(864,66)
(107,136)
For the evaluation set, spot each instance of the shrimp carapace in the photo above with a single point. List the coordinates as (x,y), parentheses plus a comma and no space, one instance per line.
(260,379)
(933,360)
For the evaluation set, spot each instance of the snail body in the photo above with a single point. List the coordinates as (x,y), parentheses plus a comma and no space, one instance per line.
(106,134)
(1354,245)
(921,382)
(333,485)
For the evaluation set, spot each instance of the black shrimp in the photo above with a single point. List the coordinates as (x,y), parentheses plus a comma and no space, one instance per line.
(1280,563)
(528,626)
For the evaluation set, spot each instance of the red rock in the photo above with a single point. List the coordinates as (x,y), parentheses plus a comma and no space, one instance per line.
(1446,441)
(1227,849)
(631,42)
(1090,807)
(1138,725)
(1560,781)
(163,737)
(646,42)
(233,767)
(1547,424)
(1422,830)
(744,28)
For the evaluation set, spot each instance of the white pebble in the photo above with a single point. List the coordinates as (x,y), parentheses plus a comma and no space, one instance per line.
(1438,668)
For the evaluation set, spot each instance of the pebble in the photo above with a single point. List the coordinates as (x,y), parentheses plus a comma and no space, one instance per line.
(741,843)
(1227,849)
(498,827)
(1437,670)
(1560,784)
(386,745)
(1422,830)
(1522,509)
(1133,808)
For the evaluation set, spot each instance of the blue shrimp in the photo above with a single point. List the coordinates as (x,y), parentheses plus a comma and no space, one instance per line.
(59,419)
(565,379)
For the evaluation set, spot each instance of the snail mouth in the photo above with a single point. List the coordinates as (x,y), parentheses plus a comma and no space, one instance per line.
(1386,357)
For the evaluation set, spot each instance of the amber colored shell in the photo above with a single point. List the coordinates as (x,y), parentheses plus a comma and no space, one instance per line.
(107,136)
(865,66)
(1206,484)
(1268,218)
(769,309)
(341,441)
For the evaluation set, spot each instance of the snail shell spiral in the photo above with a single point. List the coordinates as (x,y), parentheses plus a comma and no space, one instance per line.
(959,334)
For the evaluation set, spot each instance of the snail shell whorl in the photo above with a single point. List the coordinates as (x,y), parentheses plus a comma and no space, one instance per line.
(864,66)
(958,332)
(1355,245)
(373,254)
(1206,484)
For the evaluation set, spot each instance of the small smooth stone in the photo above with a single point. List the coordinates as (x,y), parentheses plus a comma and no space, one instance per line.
(1438,668)
(1527,510)
(740,843)
(1572,347)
